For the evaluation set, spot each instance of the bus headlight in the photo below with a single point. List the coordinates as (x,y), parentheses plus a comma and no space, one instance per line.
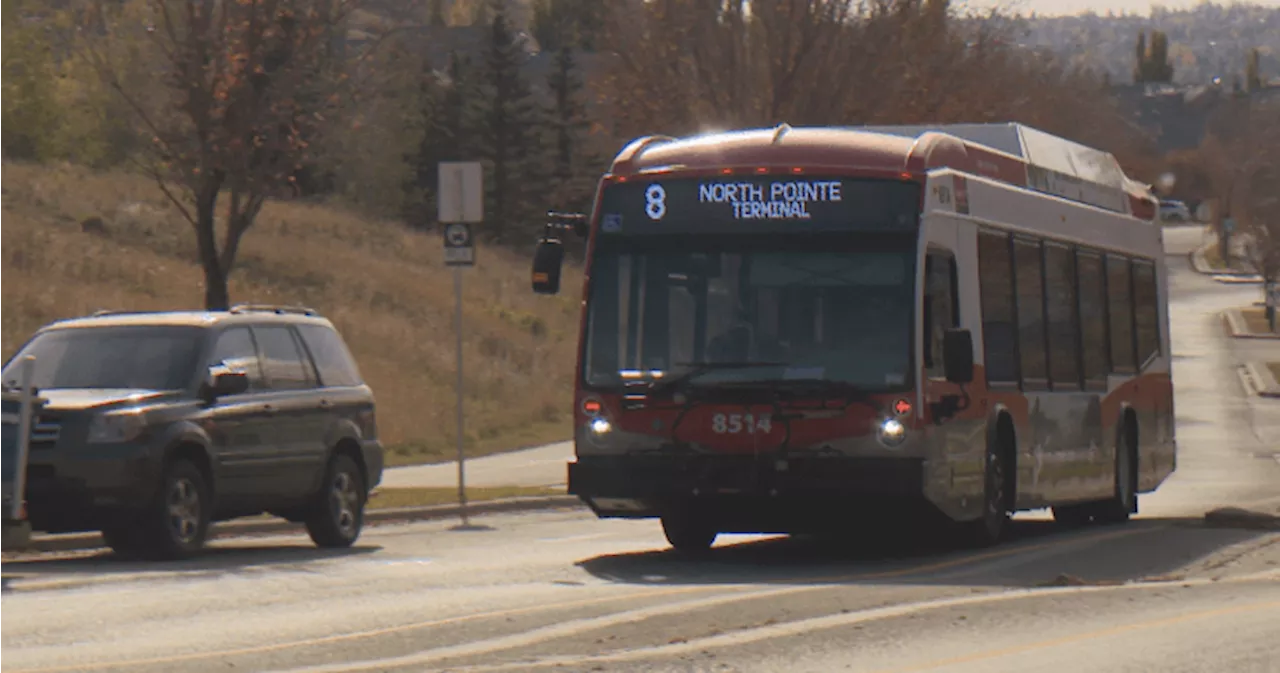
(600,427)
(891,432)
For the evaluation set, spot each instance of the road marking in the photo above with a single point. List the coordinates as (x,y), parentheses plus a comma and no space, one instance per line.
(1081,637)
(807,626)
(494,614)
(578,626)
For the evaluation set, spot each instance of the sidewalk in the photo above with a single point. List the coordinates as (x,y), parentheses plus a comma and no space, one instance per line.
(541,466)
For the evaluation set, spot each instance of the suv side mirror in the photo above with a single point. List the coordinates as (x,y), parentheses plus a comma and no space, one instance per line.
(547,260)
(957,353)
(223,381)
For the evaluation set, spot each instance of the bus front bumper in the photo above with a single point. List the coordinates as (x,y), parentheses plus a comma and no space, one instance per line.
(749,487)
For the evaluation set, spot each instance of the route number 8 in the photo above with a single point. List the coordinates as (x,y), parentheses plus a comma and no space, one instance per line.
(655,202)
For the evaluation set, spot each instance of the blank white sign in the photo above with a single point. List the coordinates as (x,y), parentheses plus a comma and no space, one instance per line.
(461,195)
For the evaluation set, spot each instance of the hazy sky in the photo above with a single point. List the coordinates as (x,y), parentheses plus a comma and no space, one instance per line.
(1053,7)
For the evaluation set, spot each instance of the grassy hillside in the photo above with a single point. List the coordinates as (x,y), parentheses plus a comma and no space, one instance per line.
(383,286)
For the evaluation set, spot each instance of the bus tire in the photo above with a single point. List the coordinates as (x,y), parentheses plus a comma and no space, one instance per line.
(997,480)
(1125,501)
(688,534)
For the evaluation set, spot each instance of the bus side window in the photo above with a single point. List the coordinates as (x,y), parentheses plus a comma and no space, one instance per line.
(1093,319)
(1061,319)
(1146,325)
(999,321)
(941,307)
(1032,342)
(1120,314)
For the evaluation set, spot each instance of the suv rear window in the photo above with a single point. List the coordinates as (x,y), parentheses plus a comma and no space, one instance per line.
(337,367)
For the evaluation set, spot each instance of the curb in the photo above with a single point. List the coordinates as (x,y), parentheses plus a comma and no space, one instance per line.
(1264,383)
(1200,265)
(1239,329)
(372,517)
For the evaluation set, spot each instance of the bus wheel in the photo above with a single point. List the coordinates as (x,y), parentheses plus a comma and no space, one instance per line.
(688,534)
(988,530)
(1125,500)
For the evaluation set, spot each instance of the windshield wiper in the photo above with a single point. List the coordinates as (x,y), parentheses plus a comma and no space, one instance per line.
(700,368)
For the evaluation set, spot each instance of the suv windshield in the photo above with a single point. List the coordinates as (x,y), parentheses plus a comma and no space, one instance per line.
(830,307)
(136,358)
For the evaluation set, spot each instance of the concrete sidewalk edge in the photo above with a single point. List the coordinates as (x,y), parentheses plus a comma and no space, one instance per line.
(373,517)
(1201,265)
(1239,329)
(1263,381)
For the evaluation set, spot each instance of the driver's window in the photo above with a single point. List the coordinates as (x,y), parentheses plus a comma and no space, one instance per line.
(941,308)
(235,349)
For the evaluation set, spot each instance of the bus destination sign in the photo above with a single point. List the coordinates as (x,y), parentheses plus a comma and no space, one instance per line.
(772,201)
(758,205)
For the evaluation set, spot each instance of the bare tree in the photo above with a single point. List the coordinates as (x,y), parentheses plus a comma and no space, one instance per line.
(240,90)
(1255,198)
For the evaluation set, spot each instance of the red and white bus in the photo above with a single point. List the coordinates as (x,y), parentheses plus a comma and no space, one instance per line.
(790,329)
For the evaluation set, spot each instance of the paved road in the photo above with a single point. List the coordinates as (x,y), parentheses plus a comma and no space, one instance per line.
(562,591)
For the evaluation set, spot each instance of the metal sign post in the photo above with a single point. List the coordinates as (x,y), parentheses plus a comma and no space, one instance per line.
(19,417)
(461,202)
(26,378)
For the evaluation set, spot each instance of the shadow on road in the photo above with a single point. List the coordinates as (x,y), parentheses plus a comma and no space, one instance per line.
(1037,553)
(220,559)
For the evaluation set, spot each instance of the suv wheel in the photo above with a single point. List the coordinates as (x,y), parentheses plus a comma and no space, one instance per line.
(337,516)
(175,525)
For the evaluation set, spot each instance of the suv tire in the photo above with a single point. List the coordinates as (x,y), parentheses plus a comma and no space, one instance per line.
(175,525)
(337,516)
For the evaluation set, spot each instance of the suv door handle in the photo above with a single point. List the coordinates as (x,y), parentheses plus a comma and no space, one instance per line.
(325,404)
(268,410)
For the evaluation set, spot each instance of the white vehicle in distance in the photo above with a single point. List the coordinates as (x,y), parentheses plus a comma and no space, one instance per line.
(1174,211)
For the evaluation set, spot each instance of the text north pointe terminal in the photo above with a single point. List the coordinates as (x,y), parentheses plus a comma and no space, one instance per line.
(786,200)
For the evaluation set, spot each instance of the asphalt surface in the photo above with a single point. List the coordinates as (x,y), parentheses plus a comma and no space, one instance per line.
(561,591)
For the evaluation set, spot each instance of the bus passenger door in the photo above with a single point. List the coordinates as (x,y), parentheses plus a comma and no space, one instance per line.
(956,439)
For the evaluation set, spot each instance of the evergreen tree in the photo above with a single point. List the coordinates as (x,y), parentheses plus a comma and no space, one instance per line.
(1253,71)
(575,23)
(568,124)
(508,131)
(1153,64)
(448,127)
(435,14)
(1140,60)
(1161,66)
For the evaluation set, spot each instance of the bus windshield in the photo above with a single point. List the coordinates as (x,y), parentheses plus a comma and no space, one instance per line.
(822,307)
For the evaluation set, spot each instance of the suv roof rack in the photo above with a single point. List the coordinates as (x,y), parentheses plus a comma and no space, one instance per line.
(272,308)
(107,311)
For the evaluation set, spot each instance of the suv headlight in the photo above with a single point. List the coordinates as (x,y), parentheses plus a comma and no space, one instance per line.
(116,428)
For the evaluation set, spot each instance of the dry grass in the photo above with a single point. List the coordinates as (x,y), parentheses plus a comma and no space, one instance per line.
(383,286)
(1255,319)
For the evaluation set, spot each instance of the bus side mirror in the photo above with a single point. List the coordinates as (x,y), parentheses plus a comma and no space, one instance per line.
(957,353)
(547,259)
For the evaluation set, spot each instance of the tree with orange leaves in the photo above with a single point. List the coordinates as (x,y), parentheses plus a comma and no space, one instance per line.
(239,91)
